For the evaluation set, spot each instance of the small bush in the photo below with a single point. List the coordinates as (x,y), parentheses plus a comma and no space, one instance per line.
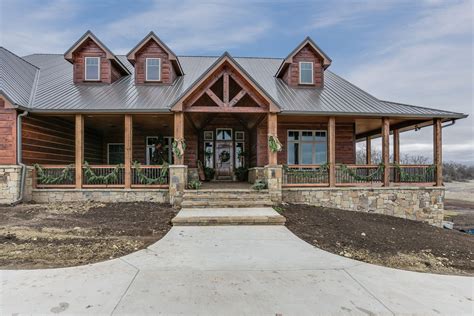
(194,185)
(260,185)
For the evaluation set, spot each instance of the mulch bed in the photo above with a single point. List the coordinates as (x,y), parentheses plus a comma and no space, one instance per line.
(69,234)
(383,240)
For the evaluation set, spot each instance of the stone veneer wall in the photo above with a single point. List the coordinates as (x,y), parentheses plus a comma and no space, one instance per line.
(417,203)
(256,173)
(100,195)
(10,183)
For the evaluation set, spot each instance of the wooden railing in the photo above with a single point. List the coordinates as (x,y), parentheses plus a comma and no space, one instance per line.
(358,175)
(54,176)
(305,175)
(150,176)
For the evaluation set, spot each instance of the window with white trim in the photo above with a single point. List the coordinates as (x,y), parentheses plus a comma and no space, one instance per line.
(306,72)
(307,147)
(209,149)
(239,149)
(153,69)
(151,142)
(92,69)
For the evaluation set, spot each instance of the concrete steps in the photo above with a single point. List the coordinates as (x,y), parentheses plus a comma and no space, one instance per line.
(228,216)
(225,198)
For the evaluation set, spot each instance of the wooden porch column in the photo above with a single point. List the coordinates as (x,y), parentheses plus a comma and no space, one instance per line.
(79,148)
(396,153)
(332,150)
(386,150)
(437,151)
(368,150)
(272,126)
(178,134)
(128,150)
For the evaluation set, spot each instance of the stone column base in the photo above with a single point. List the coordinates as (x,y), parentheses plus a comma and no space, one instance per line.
(178,182)
(274,175)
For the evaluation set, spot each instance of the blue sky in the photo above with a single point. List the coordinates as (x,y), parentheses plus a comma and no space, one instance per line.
(413,51)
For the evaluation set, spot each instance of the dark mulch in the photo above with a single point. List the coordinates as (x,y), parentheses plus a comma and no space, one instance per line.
(68,234)
(382,239)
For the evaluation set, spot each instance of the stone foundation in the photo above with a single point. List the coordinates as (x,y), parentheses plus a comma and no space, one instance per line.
(9,183)
(256,173)
(100,195)
(417,203)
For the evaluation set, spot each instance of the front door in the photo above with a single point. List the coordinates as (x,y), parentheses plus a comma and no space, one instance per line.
(224,154)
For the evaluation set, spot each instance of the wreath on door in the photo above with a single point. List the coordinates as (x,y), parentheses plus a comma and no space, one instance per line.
(224,156)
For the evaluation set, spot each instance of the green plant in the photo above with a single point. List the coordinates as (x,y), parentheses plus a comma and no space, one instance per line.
(278,208)
(93,178)
(274,144)
(179,146)
(144,179)
(241,173)
(44,178)
(209,173)
(260,184)
(194,185)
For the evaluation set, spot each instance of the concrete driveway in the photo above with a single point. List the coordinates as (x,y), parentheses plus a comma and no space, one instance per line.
(233,270)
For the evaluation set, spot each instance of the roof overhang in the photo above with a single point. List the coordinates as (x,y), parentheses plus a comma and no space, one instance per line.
(225,58)
(153,37)
(307,41)
(68,55)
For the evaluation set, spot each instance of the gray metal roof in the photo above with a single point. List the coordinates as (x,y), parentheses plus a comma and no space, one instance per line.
(56,91)
(17,78)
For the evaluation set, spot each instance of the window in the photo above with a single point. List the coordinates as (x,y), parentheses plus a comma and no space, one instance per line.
(153,69)
(307,147)
(115,153)
(92,68)
(209,149)
(224,134)
(150,148)
(239,135)
(306,72)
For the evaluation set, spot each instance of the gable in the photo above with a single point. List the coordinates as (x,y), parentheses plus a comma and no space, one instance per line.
(225,87)
(306,54)
(151,49)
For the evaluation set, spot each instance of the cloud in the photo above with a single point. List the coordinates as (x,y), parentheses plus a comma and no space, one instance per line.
(427,62)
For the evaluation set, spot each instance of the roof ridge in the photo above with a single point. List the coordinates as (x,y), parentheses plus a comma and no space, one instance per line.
(9,51)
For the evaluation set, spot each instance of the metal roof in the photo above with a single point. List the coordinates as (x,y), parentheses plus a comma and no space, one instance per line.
(56,91)
(17,78)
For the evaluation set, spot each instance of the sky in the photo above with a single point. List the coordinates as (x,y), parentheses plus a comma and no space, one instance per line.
(410,51)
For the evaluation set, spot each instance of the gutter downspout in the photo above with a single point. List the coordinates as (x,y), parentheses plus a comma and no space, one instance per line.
(19,157)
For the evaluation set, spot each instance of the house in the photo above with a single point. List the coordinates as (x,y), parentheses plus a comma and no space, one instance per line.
(84,118)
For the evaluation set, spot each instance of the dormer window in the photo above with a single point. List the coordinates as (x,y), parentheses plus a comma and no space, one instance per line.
(306,72)
(92,68)
(153,69)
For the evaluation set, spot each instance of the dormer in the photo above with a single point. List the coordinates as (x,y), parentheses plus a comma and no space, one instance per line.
(304,66)
(94,62)
(155,63)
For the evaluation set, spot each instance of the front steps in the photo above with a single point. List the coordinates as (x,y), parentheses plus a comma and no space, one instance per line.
(228,216)
(225,198)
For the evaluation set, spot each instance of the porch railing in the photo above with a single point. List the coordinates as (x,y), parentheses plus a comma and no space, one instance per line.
(413,174)
(350,175)
(150,176)
(305,175)
(99,176)
(54,176)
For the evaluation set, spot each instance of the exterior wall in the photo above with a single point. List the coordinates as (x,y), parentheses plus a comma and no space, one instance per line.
(7,134)
(153,50)
(421,204)
(50,140)
(100,195)
(292,74)
(108,71)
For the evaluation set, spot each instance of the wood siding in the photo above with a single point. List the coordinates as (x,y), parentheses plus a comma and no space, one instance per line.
(153,50)
(7,134)
(292,74)
(108,71)
(50,140)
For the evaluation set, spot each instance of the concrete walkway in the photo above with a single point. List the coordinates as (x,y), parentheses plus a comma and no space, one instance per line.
(233,270)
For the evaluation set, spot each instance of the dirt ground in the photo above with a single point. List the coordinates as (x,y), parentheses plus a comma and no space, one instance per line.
(459,204)
(383,240)
(36,236)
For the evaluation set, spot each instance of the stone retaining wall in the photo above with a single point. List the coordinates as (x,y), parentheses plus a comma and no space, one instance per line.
(100,195)
(9,183)
(417,203)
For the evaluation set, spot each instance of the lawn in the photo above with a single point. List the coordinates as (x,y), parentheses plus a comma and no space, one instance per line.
(69,234)
(383,240)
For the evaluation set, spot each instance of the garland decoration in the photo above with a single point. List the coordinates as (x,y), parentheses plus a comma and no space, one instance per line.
(274,143)
(224,156)
(179,145)
(44,178)
(406,177)
(144,179)
(93,178)
(304,175)
(368,178)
